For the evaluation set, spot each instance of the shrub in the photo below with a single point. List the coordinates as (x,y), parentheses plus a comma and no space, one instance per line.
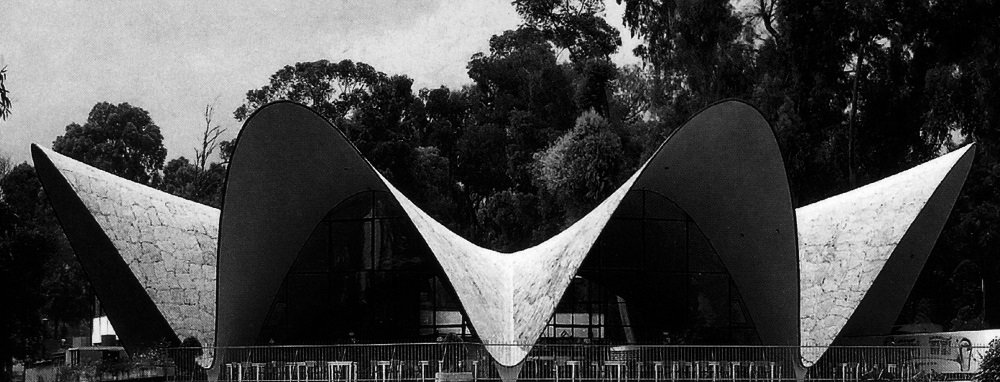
(989,368)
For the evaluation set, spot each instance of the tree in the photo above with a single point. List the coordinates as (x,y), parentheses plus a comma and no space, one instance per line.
(226,149)
(630,95)
(191,182)
(209,138)
(989,368)
(201,181)
(651,20)
(369,106)
(120,139)
(698,52)
(593,88)
(21,268)
(5,166)
(521,89)
(4,99)
(508,220)
(434,185)
(521,73)
(583,166)
(482,159)
(438,117)
(334,90)
(577,25)
(39,278)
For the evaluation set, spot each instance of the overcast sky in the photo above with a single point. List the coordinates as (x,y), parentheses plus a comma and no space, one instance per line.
(171,58)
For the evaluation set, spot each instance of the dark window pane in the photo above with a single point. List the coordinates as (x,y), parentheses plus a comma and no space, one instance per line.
(314,256)
(355,207)
(364,274)
(745,336)
(445,297)
(307,315)
(666,246)
(376,253)
(659,207)
(347,245)
(621,244)
(630,207)
(398,252)
(738,309)
(663,296)
(710,299)
(701,255)
(386,206)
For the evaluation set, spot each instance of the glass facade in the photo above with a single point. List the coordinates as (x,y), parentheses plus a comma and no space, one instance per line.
(364,275)
(652,278)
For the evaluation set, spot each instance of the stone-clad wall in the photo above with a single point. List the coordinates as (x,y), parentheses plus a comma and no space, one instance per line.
(845,241)
(168,242)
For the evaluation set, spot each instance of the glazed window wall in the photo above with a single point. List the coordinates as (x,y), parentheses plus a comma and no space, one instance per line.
(652,277)
(364,275)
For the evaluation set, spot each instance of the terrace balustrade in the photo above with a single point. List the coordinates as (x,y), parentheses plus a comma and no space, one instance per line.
(452,362)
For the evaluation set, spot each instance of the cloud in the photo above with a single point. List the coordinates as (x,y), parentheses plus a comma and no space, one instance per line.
(173,57)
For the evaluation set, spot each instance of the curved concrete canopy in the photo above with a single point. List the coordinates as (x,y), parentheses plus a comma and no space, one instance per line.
(861,251)
(289,169)
(723,164)
(724,168)
(509,297)
(150,255)
(273,201)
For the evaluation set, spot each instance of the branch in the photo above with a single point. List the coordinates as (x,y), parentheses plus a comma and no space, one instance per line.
(4,100)
(766,13)
(209,138)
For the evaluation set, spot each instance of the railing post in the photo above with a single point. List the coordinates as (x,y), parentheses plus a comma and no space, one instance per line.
(572,369)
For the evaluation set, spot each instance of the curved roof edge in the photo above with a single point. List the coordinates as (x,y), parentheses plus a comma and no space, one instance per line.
(272,202)
(289,169)
(510,297)
(861,251)
(724,168)
(137,320)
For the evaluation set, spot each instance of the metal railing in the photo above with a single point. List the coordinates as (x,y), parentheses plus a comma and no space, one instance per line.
(571,363)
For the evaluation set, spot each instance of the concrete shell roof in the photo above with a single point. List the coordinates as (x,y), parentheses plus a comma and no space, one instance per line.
(509,297)
(273,202)
(168,243)
(724,169)
(846,241)
(291,167)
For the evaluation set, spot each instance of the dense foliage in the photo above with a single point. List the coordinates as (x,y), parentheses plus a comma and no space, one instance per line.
(120,139)
(42,288)
(4,98)
(989,367)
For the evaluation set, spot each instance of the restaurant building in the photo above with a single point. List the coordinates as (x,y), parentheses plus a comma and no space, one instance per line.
(313,246)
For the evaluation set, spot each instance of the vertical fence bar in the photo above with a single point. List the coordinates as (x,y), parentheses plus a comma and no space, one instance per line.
(422,362)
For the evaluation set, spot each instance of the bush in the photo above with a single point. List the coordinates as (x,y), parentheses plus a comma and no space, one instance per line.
(989,369)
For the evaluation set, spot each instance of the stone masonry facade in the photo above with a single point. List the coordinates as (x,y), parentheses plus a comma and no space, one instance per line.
(844,242)
(168,242)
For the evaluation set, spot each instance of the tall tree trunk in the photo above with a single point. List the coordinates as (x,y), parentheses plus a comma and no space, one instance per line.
(851,177)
